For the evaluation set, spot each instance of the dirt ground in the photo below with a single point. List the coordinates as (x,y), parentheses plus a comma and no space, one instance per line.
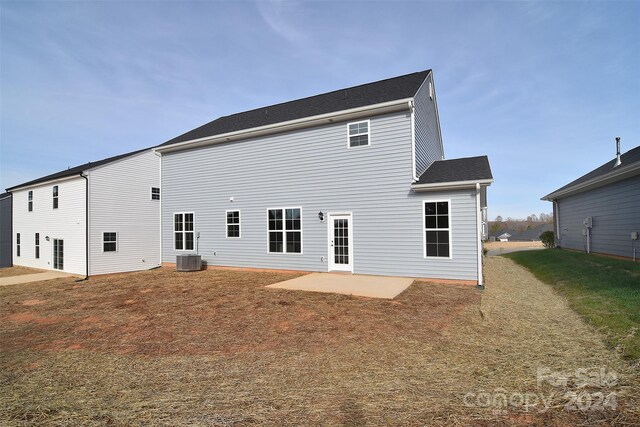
(217,348)
(17,270)
(512,245)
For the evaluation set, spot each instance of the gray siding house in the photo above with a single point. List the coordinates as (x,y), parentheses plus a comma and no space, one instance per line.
(600,211)
(6,259)
(353,180)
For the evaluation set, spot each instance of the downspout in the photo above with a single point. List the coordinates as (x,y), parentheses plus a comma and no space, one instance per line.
(479,237)
(86,226)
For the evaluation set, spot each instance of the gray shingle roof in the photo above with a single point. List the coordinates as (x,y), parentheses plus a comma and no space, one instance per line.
(630,157)
(358,96)
(464,169)
(76,170)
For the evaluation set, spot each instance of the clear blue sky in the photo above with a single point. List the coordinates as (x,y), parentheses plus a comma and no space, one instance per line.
(542,88)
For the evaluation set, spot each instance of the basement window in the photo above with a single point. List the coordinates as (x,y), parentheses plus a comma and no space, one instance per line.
(109,242)
(437,229)
(358,133)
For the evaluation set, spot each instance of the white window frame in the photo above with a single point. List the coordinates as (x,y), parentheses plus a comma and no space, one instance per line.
(159,192)
(227,224)
(368,133)
(284,232)
(184,237)
(425,229)
(55,201)
(36,240)
(30,201)
(116,242)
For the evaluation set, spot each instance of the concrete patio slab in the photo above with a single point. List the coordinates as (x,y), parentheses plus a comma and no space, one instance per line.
(348,284)
(36,277)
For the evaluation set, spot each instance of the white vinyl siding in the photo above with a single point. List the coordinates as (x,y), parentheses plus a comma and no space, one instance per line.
(311,169)
(67,223)
(120,200)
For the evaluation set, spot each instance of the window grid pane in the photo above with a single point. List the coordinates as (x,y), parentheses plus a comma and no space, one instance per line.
(437,233)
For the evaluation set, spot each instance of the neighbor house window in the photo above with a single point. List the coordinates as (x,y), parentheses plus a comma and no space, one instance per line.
(30,199)
(437,229)
(110,242)
(358,133)
(17,244)
(37,245)
(155,193)
(233,224)
(55,197)
(183,235)
(285,230)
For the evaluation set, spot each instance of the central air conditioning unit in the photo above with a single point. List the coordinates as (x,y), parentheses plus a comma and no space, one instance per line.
(188,262)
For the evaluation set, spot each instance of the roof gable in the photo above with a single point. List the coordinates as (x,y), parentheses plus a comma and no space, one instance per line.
(629,158)
(343,99)
(77,170)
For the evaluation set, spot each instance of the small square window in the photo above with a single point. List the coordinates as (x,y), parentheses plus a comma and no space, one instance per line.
(109,242)
(358,133)
(155,193)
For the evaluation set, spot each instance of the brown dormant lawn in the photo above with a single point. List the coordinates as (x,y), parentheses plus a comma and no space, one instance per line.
(17,270)
(217,348)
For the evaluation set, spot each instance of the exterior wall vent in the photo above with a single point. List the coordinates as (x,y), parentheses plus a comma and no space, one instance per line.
(188,262)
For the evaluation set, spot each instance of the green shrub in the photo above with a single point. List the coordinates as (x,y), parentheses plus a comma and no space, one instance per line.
(548,239)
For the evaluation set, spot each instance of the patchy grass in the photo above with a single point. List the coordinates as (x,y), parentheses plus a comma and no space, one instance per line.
(217,348)
(17,270)
(605,291)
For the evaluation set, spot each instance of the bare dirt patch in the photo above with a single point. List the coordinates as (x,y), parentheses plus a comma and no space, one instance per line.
(33,302)
(17,270)
(217,348)
(512,245)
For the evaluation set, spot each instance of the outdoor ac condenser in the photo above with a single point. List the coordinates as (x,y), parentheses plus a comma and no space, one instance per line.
(188,262)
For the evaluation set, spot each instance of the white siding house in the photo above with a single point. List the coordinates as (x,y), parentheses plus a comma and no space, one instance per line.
(352,180)
(51,219)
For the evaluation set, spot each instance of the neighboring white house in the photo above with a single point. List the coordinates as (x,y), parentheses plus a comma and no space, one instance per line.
(98,218)
(504,237)
(353,180)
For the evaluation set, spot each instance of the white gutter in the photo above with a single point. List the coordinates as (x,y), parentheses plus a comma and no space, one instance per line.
(479,236)
(353,113)
(620,172)
(453,185)
(48,182)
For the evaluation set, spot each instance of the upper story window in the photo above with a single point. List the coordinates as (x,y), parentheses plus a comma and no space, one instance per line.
(155,193)
(359,133)
(285,230)
(183,234)
(233,224)
(437,229)
(55,197)
(30,200)
(37,245)
(109,242)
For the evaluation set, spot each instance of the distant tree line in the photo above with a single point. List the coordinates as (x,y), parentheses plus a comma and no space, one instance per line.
(516,224)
